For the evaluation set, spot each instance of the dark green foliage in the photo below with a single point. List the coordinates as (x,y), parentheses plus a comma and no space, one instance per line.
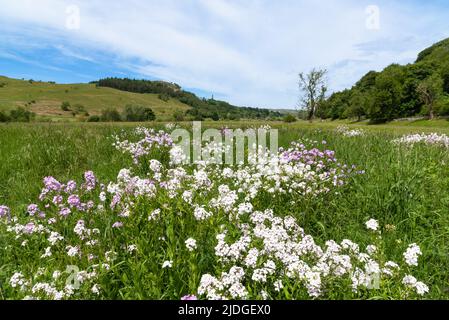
(65,106)
(93,118)
(21,115)
(79,108)
(215,116)
(138,113)
(178,116)
(110,115)
(4,117)
(289,118)
(164,97)
(397,91)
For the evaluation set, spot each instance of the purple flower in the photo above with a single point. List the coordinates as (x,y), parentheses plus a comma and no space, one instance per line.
(71,186)
(116,199)
(91,181)
(64,212)
(117,224)
(57,200)
(189,297)
(74,200)
(52,184)
(4,212)
(90,204)
(29,228)
(33,209)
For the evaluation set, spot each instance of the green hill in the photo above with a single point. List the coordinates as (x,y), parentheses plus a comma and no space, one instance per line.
(398,91)
(45,99)
(201,108)
(164,98)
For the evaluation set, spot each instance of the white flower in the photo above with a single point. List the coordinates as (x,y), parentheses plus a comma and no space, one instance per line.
(409,281)
(102,196)
(72,251)
(372,224)
(47,252)
(17,279)
(200,213)
(153,215)
(79,228)
(54,237)
(190,244)
(278,285)
(245,208)
(95,289)
(167,264)
(411,254)
(187,196)
(371,249)
(421,288)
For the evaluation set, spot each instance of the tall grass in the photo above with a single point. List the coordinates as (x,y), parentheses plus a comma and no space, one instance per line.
(406,188)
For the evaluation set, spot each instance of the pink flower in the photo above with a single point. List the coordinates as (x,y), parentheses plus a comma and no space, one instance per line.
(52,184)
(90,180)
(64,212)
(32,209)
(4,212)
(71,186)
(29,228)
(189,297)
(117,224)
(74,200)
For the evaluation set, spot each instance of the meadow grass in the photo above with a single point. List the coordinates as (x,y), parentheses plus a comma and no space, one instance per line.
(405,188)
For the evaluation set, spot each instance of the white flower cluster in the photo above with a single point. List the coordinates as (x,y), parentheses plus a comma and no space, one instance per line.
(287,254)
(49,289)
(190,244)
(411,254)
(346,132)
(429,139)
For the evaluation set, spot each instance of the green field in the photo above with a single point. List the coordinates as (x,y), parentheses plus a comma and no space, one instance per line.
(45,99)
(405,189)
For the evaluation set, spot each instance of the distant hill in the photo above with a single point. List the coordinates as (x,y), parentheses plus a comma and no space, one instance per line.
(398,91)
(165,99)
(200,108)
(45,99)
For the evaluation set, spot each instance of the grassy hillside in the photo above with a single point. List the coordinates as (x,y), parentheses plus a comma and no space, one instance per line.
(45,99)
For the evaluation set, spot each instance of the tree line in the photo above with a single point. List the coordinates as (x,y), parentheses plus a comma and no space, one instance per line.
(201,108)
(399,91)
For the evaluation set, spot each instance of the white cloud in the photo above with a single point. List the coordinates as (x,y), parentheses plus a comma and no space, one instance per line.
(246,51)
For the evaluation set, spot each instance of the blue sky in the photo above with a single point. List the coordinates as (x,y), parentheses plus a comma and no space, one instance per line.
(246,52)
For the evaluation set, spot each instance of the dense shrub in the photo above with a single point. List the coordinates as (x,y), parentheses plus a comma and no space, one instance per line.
(289,118)
(4,117)
(164,97)
(215,116)
(65,106)
(21,115)
(178,115)
(138,113)
(79,108)
(110,115)
(93,118)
